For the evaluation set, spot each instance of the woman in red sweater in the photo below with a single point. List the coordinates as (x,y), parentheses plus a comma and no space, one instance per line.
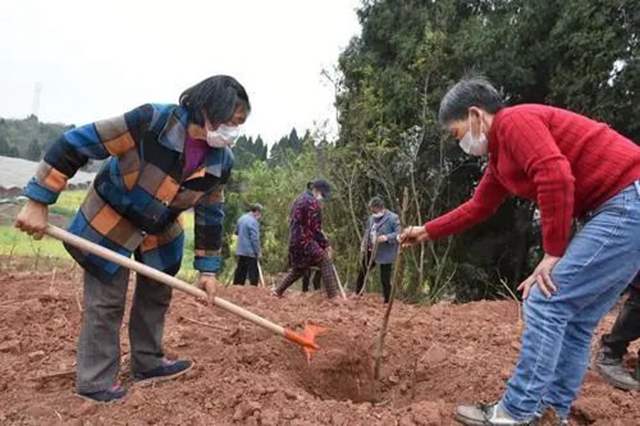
(572,167)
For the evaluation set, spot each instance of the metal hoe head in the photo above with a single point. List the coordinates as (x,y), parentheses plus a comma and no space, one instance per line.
(306,339)
(310,332)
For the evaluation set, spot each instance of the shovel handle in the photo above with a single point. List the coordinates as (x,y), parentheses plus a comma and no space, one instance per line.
(262,284)
(147,271)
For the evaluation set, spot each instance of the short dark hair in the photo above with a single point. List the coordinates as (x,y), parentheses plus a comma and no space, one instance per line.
(256,208)
(376,201)
(218,97)
(470,91)
(321,185)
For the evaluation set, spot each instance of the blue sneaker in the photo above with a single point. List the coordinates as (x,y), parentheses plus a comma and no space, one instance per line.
(168,370)
(113,393)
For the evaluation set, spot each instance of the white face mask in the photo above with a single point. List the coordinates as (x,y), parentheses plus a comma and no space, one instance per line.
(223,136)
(319,197)
(378,215)
(475,146)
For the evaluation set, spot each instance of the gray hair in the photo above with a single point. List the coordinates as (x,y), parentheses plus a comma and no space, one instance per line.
(474,91)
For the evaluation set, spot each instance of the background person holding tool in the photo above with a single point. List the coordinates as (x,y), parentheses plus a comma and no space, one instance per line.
(307,244)
(161,161)
(248,246)
(613,346)
(572,167)
(379,245)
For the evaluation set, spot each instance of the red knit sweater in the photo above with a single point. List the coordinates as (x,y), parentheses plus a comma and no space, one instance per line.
(567,163)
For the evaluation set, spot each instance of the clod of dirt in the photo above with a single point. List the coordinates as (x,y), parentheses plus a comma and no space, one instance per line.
(341,369)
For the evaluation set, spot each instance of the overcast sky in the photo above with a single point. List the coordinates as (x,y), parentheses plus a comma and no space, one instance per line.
(99,58)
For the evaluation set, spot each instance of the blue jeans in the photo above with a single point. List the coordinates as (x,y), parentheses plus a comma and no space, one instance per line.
(599,263)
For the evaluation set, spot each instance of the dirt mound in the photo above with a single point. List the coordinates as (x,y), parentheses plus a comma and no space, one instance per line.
(434,359)
(341,369)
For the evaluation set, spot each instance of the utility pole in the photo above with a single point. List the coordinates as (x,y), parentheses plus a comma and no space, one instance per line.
(35,107)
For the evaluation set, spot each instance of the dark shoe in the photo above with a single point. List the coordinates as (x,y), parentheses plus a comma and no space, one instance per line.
(613,371)
(113,393)
(487,415)
(168,370)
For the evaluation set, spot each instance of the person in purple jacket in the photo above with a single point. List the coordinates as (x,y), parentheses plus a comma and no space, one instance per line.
(307,245)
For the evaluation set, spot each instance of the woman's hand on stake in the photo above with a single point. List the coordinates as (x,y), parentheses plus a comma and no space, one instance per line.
(412,235)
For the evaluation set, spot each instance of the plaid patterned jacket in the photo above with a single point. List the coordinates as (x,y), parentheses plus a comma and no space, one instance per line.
(136,199)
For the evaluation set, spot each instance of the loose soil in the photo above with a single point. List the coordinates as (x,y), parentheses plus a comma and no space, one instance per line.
(435,357)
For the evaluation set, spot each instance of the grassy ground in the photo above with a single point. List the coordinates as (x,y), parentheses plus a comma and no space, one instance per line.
(18,244)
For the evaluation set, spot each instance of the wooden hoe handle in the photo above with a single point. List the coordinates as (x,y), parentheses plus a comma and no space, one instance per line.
(147,271)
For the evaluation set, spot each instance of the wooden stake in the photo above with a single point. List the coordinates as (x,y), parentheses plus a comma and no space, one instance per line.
(398,273)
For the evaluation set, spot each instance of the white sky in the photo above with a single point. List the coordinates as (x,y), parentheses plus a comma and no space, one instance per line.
(99,58)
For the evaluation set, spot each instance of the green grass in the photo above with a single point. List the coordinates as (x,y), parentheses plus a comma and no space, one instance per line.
(16,243)
(68,203)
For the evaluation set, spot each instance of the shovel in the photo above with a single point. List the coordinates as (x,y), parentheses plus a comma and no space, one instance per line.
(305,339)
(262,284)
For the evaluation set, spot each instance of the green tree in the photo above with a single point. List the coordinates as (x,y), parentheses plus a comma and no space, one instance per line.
(34,153)
(574,54)
(5,149)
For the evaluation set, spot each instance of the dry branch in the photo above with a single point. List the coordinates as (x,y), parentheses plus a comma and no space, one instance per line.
(204,324)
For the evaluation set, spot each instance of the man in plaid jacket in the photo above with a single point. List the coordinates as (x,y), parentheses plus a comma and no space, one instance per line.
(160,161)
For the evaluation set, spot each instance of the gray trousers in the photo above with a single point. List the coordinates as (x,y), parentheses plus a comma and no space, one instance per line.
(99,343)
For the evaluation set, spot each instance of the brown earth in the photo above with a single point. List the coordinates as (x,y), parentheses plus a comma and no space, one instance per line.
(435,357)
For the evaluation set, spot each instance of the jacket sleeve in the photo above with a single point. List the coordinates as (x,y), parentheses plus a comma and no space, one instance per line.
(489,195)
(395,229)
(533,148)
(315,224)
(75,147)
(254,237)
(209,218)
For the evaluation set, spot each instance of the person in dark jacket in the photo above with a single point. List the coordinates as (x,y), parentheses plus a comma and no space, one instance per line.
(307,244)
(381,233)
(161,160)
(248,247)
(613,346)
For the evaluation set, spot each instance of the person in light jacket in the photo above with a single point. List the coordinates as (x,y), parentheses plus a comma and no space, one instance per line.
(382,229)
(248,248)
